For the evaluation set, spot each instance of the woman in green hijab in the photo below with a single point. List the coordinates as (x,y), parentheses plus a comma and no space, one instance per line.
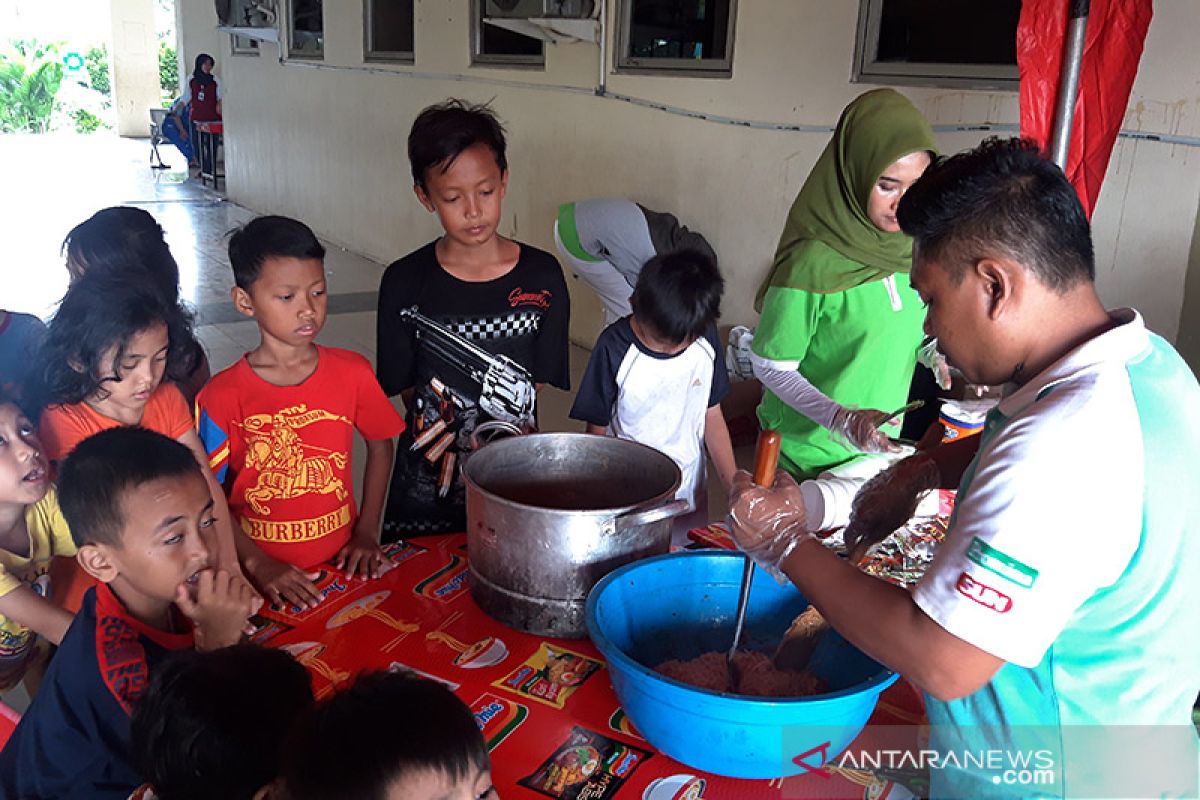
(840,323)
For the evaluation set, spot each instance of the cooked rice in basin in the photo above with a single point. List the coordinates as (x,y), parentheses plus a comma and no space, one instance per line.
(757,675)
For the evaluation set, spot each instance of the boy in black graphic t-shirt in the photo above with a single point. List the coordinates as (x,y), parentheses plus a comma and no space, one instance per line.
(478,289)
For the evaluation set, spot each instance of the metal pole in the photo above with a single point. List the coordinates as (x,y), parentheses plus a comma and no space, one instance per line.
(1068,81)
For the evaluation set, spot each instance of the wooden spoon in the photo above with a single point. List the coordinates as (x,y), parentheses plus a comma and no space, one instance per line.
(765,463)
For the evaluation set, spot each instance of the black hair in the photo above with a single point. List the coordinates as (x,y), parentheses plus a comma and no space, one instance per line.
(7,398)
(215,724)
(678,295)
(269,237)
(102,310)
(124,238)
(442,132)
(1003,197)
(97,473)
(198,73)
(387,725)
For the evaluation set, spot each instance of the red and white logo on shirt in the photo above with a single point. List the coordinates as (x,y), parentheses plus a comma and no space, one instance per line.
(983,594)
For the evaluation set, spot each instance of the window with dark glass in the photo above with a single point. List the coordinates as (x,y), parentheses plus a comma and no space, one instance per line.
(389,30)
(307,29)
(495,39)
(683,35)
(243,45)
(948,42)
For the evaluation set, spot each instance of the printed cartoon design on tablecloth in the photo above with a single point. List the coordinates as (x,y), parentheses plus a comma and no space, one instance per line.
(587,765)
(309,654)
(287,467)
(399,552)
(874,786)
(550,675)
(447,583)
(497,718)
(329,585)
(369,607)
(400,666)
(675,787)
(266,629)
(486,652)
(619,722)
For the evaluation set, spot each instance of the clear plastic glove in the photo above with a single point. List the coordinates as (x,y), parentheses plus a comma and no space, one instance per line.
(888,501)
(859,429)
(767,522)
(929,355)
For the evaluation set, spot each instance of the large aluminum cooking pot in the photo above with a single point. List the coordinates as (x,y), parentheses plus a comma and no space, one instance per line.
(550,514)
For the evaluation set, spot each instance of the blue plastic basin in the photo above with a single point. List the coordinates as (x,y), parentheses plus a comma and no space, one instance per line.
(683,604)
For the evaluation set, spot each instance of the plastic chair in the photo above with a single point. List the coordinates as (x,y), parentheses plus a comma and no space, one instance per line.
(157,115)
(8,723)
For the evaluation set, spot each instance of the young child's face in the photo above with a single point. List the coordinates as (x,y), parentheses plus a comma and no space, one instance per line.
(435,785)
(168,524)
(288,300)
(138,371)
(466,197)
(24,471)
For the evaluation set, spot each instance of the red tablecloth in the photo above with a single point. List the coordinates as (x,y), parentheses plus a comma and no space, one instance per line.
(529,695)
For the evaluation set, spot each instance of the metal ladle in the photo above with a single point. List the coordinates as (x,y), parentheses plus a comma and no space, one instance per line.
(766,460)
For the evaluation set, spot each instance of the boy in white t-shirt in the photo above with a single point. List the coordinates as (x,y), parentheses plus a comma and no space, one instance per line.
(657,376)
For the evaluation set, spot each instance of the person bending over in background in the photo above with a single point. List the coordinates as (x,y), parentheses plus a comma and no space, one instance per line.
(607,241)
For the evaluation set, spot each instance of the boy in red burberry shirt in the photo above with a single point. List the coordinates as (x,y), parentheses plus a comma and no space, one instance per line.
(279,424)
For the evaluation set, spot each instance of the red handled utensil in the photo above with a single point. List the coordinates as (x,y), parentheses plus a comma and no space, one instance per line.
(766,461)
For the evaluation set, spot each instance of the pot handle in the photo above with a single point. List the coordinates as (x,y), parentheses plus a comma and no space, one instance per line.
(633,519)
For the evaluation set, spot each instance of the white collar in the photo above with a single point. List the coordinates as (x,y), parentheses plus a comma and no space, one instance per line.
(1120,343)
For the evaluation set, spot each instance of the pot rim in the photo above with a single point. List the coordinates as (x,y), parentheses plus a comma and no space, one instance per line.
(610,511)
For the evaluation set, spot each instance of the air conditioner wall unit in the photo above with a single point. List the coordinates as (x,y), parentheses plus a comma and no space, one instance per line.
(246,13)
(529,9)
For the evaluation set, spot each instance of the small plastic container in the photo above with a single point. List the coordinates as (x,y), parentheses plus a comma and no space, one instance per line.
(963,418)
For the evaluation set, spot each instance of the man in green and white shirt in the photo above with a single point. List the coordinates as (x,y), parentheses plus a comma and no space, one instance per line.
(1054,633)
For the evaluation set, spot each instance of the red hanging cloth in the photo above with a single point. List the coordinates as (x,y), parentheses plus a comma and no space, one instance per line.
(1116,31)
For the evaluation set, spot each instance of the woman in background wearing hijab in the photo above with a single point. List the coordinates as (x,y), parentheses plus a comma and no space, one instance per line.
(840,327)
(200,102)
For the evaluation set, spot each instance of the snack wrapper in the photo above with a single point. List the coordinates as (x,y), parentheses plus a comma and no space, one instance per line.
(550,676)
(587,765)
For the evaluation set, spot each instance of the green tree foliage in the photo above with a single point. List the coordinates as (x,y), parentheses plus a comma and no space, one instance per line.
(30,74)
(168,68)
(86,121)
(96,63)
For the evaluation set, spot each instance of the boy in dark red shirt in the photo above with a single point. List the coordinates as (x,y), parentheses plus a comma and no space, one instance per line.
(279,424)
(141,515)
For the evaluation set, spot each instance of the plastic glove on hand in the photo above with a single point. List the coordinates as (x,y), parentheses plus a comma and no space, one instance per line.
(767,522)
(859,429)
(929,355)
(887,502)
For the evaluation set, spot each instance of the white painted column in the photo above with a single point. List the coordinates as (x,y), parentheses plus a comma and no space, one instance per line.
(134,63)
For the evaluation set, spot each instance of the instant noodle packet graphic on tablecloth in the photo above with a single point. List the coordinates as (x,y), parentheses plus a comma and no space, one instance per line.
(497,717)
(587,765)
(447,584)
(551,675)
